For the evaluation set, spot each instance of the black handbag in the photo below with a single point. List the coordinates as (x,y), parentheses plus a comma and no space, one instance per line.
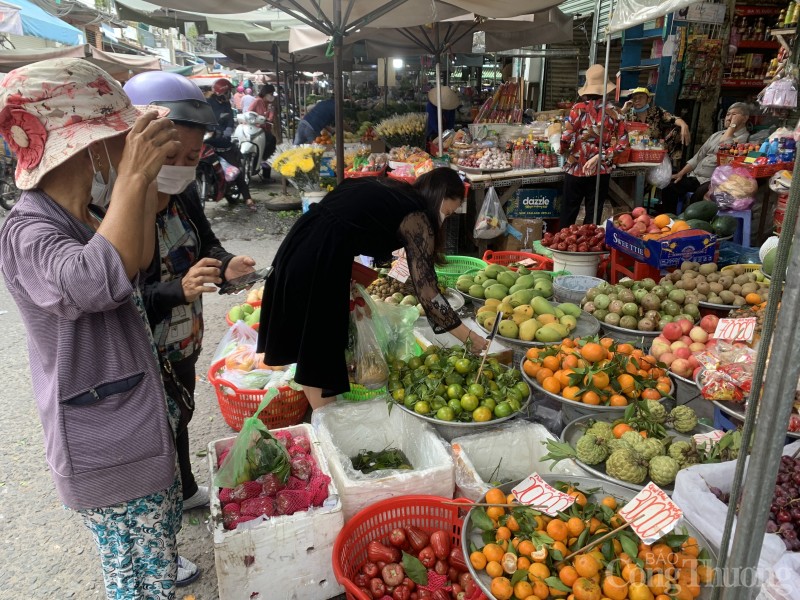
(175,390)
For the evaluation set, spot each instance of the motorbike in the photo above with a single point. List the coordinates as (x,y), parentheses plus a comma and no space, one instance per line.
(252,144)
(9,194)
(216,179)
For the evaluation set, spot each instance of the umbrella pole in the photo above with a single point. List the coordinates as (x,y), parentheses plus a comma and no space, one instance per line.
(385,84)
(439,105)
(290,122)
(277,125)
(338,89)
(602,123)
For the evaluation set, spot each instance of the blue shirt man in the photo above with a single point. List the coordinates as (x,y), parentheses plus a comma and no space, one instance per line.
(321,115)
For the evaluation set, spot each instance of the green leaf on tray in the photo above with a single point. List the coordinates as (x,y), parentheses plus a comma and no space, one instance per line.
(519,575)
(415,570)
(481,519)
(630,547)
(557,584)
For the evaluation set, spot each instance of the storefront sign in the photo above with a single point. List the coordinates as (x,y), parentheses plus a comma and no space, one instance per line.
(536,492)
(536,203)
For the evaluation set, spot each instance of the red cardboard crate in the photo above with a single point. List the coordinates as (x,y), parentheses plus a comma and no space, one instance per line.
(665,253)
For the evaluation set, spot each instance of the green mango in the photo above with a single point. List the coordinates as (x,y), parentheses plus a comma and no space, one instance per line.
(508,278)
(521,297)
(508,329)
(236,314)
(526,281)
(542,307)
(522,270)
(570,309)
(498,291)
(476,291)
(516,288)
(489,282)
(569,322)
(559,313)
(463,285)
(548,334)
(479,278)
(542,275)
(492,271)
(528,329)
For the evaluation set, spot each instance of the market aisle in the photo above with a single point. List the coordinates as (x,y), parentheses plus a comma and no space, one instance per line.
(45,550)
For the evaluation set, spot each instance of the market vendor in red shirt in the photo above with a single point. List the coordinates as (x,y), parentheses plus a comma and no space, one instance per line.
(580,145)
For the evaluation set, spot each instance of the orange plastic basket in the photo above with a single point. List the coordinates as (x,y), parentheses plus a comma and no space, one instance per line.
(508,257)
(350,174)
(286,409)
(254,304)
(376,522)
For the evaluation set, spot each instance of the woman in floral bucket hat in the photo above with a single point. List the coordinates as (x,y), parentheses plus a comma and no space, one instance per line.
(73,268)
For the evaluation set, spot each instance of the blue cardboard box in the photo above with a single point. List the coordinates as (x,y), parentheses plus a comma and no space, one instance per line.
(665,253)
(537,203)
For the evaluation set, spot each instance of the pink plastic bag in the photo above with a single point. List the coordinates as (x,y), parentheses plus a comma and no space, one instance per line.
(733,188)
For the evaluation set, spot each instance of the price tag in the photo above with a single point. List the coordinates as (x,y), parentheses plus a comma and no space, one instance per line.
(651,513)
(741,330)
(527,262)
(707,439)
(399,270)
(536,492)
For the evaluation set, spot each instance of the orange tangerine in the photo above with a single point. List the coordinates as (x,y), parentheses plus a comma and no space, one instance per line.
(661,220)
(586,589)
(620,429)
(607,342)
(598,380)
(543,374)
(570,362)
(495,512)
(501,588)
(478,560)
(563,377)
(523,589)
(615,588)
(526,548)
(617,400)
(575,526)
(580,498)
(523,562)
(590,397)
(539,570)
(561,547)
(493,553)
(494,569)
(659,584)
(633,574)
(551,384)
(691,547)
(752,298)
(531,368)
(496,496)
(532,353)
(568,575)
(626,382)
(572,392)
(540,590)
(593,352)
(639,591)
(552,363)
(705,574)
(651,394)
(557,529)
(586,565)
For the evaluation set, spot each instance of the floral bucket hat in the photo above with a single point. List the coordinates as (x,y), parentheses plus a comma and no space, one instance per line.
(53,109)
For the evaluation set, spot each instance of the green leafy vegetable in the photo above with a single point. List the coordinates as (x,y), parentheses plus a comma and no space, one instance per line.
(415,570)
(368,461)
(481,519)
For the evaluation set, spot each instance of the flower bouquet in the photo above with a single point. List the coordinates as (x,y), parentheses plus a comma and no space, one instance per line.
(299,164)
(403,130)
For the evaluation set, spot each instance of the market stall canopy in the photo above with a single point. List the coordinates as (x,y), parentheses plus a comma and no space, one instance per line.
(629,13)
(10,19)
(256,55)
(36,22)
(119,66)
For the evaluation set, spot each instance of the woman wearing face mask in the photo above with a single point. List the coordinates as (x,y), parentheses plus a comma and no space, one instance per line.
(73,270)
(662,125)
(372,217)
(188,257)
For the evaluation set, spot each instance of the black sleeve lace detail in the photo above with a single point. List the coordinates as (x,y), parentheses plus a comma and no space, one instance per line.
(418,239)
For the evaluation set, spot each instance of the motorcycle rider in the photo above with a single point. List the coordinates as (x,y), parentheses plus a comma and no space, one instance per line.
(223,111)
(264,106)
(188,255)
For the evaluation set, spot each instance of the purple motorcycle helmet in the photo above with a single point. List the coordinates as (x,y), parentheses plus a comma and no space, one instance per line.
(181,96)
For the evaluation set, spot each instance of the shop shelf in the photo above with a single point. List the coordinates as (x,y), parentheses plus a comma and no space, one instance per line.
(756,11)
(758,44)
(742,83)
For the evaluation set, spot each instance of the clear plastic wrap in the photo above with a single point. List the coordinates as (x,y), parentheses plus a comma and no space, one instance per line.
(394,326)
(733,188)
(371,368)
(344,429)
(705,511)
(482,459)
(238,334)
(661,175)
(491,220)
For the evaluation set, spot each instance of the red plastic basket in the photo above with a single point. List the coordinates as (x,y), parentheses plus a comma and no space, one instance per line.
(508,257)
(723,158)
(254,304)
(349,174)
(376,522)
(635,126)
(408,179)
(647,156)
(762,170)
(286,409)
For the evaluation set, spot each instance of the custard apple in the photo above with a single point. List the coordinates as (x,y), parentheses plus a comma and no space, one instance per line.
(650,447)
(602,429)
(664,470)
(683,418)
(680,451)
(627,466)
(633,439)
(590,449)
(658,414)
(617,444)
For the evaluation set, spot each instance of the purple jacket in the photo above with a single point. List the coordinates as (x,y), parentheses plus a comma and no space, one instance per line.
(95,377)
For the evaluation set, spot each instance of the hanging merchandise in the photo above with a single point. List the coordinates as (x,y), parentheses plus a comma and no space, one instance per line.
(661,175)
(491,221)
(781,93)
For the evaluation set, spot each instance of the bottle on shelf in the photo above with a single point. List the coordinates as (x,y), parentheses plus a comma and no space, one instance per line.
(787,20)
(760,29)
(795,14)
(781,19)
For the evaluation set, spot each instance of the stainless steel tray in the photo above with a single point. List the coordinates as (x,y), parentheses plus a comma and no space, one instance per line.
(587,326)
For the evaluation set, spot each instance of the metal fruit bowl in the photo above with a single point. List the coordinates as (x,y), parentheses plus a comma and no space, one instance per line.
(587,326)
(575,429)
(471,534)
(634,336)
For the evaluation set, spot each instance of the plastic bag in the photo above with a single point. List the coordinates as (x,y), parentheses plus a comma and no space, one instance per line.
(732,188)
(231,172)
(491,221)
(243,358)
(394,326)
(371,369)
(255,452)
(661,175)
(239,334)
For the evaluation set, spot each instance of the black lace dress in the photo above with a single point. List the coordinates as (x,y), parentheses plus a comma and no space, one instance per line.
(305,310)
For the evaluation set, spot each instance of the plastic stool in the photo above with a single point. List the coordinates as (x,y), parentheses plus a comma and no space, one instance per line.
(623,265)
(722,422)
(742,235)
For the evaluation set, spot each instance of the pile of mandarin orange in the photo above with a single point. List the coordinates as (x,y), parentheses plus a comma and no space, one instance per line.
(522,570)
(597,371)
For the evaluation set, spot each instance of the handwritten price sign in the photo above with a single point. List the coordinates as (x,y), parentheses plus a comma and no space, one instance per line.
(651,513)
(399,270)
(706,439)
(535,491)
(736,329)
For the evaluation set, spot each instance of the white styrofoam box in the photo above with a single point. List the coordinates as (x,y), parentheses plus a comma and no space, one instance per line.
(345,429)
(778,569)
(484,457)
(282,558)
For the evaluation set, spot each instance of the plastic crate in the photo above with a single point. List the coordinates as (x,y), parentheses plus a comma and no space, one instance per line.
(647,156)
(758,171)
(723,158)
(507,258)
(456,266)
(747,268)
(376,522)
(236,405)
(254,304)
(358,393)
(285,557)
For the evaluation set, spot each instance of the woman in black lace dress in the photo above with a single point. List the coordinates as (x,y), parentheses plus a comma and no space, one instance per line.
(306,304)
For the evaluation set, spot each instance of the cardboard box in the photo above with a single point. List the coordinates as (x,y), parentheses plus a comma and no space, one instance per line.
(530,230)
(284,557)
(665,253)
(537,203)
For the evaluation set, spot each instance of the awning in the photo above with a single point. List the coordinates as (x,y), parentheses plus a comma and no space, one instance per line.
(10,19)
(119,66)
(38,23)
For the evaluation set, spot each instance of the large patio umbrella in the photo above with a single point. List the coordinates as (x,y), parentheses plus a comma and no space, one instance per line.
(338,18)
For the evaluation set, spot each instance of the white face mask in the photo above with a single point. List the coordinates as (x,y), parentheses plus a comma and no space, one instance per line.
(174,180)
(101,190)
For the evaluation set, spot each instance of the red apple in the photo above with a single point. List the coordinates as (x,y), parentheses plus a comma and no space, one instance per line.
(659,347)
(667,358)
(686,340)
(694,362)
(672,332)
(679,344)
(639,211)
(709,323)
(624,222)
(638,228)
(684,353)
(681,366)
(697,346)
(686,326)
(698,334)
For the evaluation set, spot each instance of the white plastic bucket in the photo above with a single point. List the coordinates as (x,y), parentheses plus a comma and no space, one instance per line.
(577,263)
(309,198)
